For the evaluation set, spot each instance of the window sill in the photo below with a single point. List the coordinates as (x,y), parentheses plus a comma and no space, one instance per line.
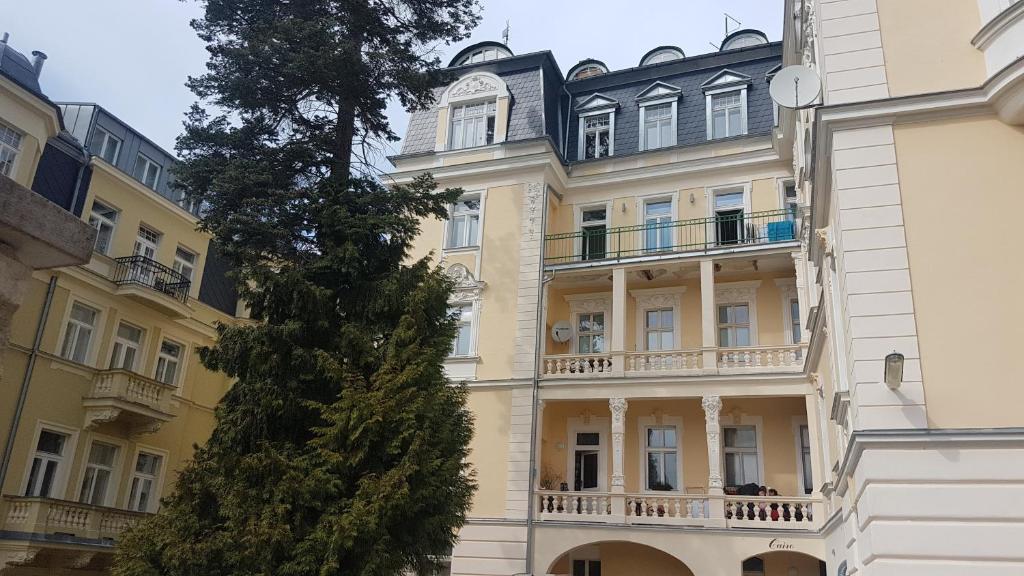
(461,249)
(463,359)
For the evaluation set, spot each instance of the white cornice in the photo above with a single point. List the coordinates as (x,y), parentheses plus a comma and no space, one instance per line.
(997,25)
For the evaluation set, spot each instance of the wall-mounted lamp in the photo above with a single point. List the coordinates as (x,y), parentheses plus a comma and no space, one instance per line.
(894,370)
(692,199)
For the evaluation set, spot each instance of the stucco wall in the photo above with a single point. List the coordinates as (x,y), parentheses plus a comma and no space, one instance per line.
(489,450)
(956,177)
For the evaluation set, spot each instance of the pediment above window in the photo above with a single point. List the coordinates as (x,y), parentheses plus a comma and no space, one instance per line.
(467,287)
(725,79)
(474,86)
(597,102)
(659,91)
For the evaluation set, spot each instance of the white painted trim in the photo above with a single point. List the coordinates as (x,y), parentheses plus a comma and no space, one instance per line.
(739,293)
(799,421)
(588,304)
(59,488)
(158,485)
(482,193)
(711,233)
(743,109)
(582,132)
(652,298)
(578,210)
(499,90)
(116,473)
(674,99)
(98,334)
(599,424)
(787,292)
(729,421)
(645,422)
(641,211)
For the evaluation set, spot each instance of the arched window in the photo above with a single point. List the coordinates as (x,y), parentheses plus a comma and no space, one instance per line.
(662,54)
(743,39)
(753,567)
(586,69)
(476,107)
(482,52)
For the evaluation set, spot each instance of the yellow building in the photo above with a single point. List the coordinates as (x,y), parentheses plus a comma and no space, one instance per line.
(671,289)
(103,395)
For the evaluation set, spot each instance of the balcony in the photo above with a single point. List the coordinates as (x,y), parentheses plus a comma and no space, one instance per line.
(59,535)
(153,284)
(750,360)
(128,399)
(600,246)
(771,513)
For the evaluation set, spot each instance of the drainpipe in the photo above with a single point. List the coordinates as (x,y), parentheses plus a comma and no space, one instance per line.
(23,393)
(530,508)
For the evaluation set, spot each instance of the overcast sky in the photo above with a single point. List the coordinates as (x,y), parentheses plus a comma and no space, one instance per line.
(133,56)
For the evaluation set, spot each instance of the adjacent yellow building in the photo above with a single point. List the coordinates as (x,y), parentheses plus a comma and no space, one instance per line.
(103,396)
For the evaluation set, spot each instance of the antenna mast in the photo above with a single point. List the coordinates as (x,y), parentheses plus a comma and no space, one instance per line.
(504,33)
(728,20)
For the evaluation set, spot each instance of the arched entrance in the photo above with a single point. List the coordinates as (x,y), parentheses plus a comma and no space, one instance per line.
(783,563)
(617,559)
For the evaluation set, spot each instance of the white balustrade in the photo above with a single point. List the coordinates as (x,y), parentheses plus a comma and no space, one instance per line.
(771,512)
(51,516)
(668,509)
(573,505)
(664,361)
(132,387)
(762,358)
(578,365)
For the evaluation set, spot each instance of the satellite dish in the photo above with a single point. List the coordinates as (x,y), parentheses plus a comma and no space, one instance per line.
(561,331)
(795,87)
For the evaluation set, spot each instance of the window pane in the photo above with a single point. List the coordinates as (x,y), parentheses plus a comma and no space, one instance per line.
(670,437)
(746,437)
(718,129)
(654,471)
(724,315)
(588,438)
(742,314)
(50,442)
(655,438)
(667,342)
(724,338)
(734,122)
(584,345)
(595,215)
(598,322)
(579,568)
(671,481)
(83,314)
(652,318)
(597,344)
(102,454)
(742,337)
(170,349)
(473,230)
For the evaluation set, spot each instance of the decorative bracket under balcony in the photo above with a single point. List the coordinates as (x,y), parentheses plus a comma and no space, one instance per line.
(119,396)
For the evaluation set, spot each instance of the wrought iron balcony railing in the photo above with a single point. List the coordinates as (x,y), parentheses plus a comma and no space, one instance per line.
(666,238)
(143,271)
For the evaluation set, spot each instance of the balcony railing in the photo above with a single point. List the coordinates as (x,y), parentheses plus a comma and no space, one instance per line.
(672,508)
(680,236)
(141,403)
(143,271)
(754,359)
(52,516)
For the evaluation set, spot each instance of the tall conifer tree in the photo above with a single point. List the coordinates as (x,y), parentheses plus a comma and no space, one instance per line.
(340,448)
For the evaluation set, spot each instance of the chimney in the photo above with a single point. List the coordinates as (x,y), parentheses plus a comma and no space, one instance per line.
(37,61)
(3,39)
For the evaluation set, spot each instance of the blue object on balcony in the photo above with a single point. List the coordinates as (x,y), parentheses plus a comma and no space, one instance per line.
(780,231)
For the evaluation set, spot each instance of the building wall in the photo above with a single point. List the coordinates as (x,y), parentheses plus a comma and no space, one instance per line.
(954,180)
(488,456)
(928,50)
(36,122)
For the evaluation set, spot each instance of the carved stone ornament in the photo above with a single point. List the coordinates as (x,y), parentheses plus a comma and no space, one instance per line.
(474,85)
(467,287)
(824,236)
(737,292)
(534,191)
(712,408)
(96,416)
(618,407)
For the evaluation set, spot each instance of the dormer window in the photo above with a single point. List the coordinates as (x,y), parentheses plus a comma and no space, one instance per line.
(726,102)
(473,124)
(597,127)
(586,69)
(483,54)
(658,115)
(662,54)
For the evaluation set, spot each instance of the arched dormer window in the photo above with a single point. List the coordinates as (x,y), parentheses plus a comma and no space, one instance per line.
(474,110)
(743,39)
(662,54)
(586,69)
(481,52)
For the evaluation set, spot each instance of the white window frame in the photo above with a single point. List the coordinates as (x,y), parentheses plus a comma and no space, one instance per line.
(581,145)
(798,423)
(709,101)
(599,302)
(149,162)
(448,224)
(643,424)
(641,214)
(710,193)
(674,122)
(787,293)
(473,87)
(110,498)
(739,293)
(745,420)
(464,105)
(658,298)
(179,370)
(782,183)
(578,222)
(98,221)
(12,171)
(474,325)
(180,263)
(107,139)
(60,479)
(92,349)
(141,242)
(140,347)
(158,479)
(605,336)
(602,426)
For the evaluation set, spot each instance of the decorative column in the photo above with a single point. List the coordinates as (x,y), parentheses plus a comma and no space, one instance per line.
(800,266)
(538,444)
(618,408)
(712,408)
(814,436)
(709,341)
(618,321)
